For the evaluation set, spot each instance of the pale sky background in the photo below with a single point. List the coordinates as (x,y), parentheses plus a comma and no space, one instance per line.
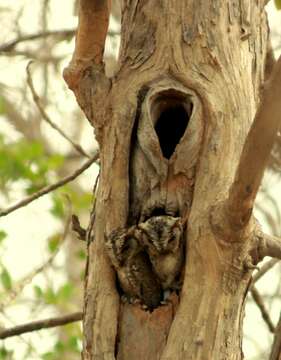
(29,228)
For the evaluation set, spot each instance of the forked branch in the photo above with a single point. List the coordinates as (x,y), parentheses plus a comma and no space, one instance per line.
(256,151)
(90,39)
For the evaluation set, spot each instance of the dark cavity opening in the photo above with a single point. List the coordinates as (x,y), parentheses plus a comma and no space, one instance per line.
(158,212)
(171,113)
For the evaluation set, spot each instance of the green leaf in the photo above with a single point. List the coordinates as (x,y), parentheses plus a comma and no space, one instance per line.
(38,291)
(81,254)
(22,160)
(60,347)
(80,200)
(6,279)
(54,162)
(65,292)
(49,356)
(5,354)
(277,4)
(50,296)
(3,235)
(73,344)
(57,209)
(53,243)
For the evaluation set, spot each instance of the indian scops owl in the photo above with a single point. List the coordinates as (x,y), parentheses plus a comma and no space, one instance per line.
(162,238)
(133,268)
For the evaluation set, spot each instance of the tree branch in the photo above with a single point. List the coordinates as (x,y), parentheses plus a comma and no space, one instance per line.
(41,324)
(255,152)
(9,46)
(45,116)
(77,228)
(265,315)
(30,128)
(21,283)
(49,188)
(268,245)
(90,39)
(63,34)
(276,347)
(264,269)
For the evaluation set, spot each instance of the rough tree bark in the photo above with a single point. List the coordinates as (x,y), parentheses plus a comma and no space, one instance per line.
(198,67)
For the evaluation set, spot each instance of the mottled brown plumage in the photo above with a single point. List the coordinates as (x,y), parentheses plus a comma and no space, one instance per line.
(162,238)
(133,268)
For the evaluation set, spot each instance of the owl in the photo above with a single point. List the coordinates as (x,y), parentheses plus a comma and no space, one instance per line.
(134,269)
(162,238)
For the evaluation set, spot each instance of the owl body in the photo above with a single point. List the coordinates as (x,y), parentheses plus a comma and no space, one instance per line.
(167,267)
(134,269)
(162,238)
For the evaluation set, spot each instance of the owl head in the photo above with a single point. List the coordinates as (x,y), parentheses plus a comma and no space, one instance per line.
(121,245)
(161,234)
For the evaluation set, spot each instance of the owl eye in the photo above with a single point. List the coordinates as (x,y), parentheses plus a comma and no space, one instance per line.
(172,238)
(126,248)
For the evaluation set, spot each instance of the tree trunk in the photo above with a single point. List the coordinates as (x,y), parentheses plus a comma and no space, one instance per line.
(171,125)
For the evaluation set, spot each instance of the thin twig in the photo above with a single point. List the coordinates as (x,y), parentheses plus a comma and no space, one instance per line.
(41,35)
(276,346)
(77,228)
(50,188)
(264,313)
(64,34)
(46,117)
(89,235)
(96,184)
(264,269)
(41,324)
(16,290)
(43,58)
(23,339)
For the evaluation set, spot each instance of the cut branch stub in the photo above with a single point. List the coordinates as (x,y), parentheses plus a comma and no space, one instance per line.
(90,39)
(85,75)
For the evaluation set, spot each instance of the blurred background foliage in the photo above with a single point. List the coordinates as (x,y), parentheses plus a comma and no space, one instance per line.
(42,261)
